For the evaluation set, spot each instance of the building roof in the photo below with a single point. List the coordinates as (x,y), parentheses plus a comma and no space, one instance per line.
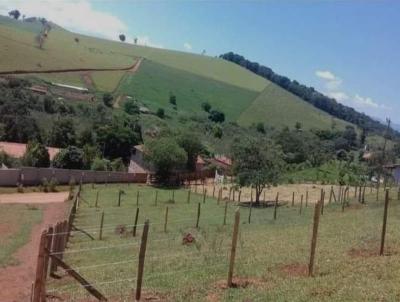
(223,160)
(37,88)
(83,89)
(17,150)
(200,160)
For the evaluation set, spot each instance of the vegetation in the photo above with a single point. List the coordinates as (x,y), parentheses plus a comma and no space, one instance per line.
(272,255)
(309,95)
(36,155)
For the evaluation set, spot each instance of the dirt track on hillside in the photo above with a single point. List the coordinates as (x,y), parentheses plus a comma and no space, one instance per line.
(34,198)
(16,72)
(16,281)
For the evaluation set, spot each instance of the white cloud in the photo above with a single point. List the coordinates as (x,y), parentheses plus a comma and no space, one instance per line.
(187,46)
(338,95)
(368,102)
(75,15)
(325,74)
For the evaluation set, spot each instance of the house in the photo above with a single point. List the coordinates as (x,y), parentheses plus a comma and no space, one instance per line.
(38,89)
(17,150)
(222,163)
(395,171)
(137,163)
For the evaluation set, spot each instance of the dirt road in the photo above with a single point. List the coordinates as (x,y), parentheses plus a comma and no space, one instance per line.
(16,281)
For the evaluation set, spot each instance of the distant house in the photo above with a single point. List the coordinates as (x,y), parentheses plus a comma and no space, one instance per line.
(38,89)
(70,87)
(222,163)
(395,171)
(17,150)
(137,163)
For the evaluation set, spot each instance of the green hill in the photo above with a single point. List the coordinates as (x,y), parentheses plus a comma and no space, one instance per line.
(242,95)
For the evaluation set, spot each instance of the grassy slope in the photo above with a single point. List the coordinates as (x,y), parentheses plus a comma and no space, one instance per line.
(176,71)
(154,82)
(278,107)
(20,219)
(189,273)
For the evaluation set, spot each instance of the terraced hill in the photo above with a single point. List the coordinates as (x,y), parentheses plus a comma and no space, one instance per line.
(243,96)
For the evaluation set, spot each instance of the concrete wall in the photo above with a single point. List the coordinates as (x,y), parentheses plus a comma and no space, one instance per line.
(35,176)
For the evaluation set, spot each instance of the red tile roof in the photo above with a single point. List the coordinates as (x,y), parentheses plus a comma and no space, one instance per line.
(17,150)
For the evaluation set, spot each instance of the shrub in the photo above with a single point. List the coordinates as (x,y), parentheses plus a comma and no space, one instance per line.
(108,99)
(217,116)
(160,113)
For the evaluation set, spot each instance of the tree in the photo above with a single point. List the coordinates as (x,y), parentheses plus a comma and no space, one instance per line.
(172,99)
(165,154)
(36,155)
(131,107)
(192,145)
(118,165)
(14,14)
(135,40)
(257,163)
(90,152)
(260,127)
(206,106)
(160,113)
(69,158)
(62,134)
(122,37)
(100,164)
(298,126)
(108,99)
(117,137)
(217,116)
(49,105)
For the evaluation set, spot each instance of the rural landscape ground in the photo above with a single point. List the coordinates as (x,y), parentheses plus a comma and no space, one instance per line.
(134,172)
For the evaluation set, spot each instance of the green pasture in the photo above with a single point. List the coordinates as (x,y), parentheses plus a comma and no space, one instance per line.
(271,257)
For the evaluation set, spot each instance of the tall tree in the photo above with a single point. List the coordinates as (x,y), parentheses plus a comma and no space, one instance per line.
(192,145)
(36,155)
(257,163)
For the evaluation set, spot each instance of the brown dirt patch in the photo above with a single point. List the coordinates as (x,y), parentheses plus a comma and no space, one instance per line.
(34,198)
(87,79)
(135,67)
(294,270)
(371,252)
(16,280)
(7,229)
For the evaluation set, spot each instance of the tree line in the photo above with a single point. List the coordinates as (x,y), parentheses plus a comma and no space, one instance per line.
(309,94)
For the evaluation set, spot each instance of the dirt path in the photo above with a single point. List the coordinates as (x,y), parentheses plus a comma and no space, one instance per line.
(34,197)
(16,281)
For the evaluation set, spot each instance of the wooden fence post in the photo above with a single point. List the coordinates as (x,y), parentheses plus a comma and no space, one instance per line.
(204,195)
(54,247)
(213,191)
(330,194)
(119,197)
(301,204)
(251,207)
(97,199)
(240,194)
(322,201)
(363,195)
(136,221)
(142,255)
(37,293)
(188,196)
(225,211)
(306,198)
(101,226)
(317,212)
(385,213)
(233,247)
(219,195)
(166,220)
(292,199)
(137,198)
(156,197)
(173,196)
(276,205)
(198,215)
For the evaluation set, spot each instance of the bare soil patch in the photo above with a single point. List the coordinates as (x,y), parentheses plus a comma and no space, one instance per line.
(34,198)
(16,280)
(294,270)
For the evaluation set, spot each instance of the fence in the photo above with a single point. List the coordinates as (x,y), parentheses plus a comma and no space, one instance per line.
(34,176)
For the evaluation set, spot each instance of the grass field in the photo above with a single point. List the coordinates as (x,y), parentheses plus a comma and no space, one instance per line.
(154,83)
(271,255)
(16,221)
(107,81)
(279,108)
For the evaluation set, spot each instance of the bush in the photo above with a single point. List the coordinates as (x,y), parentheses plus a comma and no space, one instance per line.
(160,113)
(108,99)
(69,158)
(36,155)
(217,116)
(131,107)
(100,164)
(206,106)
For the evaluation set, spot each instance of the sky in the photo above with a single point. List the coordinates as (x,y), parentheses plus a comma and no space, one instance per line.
(349,50)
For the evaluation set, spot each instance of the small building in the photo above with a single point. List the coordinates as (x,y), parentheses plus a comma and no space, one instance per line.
(137,163)
(38,89)
(70,87)
(18,150)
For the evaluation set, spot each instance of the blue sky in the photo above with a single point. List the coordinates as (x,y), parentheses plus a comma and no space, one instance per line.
(349,50)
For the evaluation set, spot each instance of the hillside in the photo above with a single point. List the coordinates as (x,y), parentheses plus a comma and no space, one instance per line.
(243,96)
